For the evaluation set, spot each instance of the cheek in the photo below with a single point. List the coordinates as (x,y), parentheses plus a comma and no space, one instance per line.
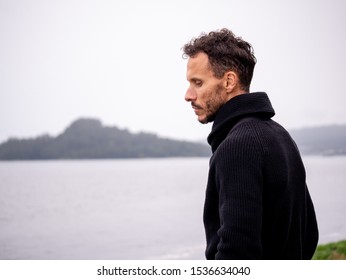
(205,96)
(215,101)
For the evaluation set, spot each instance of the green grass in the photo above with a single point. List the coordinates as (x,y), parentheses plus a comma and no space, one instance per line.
(331,251)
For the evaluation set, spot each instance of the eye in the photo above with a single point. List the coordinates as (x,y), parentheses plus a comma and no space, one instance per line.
(198,83)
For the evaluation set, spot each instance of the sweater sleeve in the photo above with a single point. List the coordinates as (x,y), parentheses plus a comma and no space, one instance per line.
(239,182)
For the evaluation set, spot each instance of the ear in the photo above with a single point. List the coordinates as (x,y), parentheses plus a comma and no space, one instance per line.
(231,81)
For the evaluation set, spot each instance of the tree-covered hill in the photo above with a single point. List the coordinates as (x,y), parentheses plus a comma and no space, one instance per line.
(89,139)
(324,140)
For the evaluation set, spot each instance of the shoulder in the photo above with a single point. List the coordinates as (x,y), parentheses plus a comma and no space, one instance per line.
(258,130)
(243,142)
(247,132)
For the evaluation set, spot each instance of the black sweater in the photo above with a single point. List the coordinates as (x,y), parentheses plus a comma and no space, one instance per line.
(257,203)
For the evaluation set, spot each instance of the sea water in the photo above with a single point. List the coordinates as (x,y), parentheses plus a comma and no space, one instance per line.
(130,209)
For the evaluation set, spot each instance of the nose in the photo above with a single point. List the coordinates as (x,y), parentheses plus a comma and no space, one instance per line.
(190,95)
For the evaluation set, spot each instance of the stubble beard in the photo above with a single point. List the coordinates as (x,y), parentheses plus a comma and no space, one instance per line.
(213,105)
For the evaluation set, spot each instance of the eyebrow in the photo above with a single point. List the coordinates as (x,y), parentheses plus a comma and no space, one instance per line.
(194,79)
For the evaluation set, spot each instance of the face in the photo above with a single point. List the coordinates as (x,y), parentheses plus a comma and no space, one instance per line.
(205,92)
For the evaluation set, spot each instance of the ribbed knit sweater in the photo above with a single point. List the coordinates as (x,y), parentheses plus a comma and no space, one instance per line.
(257,202)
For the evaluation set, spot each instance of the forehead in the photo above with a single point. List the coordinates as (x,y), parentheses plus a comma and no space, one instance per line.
(198,65)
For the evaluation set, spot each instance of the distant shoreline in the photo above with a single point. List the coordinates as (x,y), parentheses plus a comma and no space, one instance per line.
(89,139)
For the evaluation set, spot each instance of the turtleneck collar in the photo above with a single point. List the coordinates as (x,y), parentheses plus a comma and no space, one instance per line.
(247,104)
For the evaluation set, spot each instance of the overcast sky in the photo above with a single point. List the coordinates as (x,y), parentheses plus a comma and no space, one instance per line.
(121,62)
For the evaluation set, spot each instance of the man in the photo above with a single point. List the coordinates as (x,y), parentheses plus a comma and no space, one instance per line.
(257,203)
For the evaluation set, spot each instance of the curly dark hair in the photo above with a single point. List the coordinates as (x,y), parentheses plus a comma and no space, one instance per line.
(226,52)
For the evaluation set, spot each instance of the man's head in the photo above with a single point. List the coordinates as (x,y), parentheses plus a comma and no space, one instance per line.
(220,66)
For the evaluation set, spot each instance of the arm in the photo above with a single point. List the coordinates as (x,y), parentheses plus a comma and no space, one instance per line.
(239,180)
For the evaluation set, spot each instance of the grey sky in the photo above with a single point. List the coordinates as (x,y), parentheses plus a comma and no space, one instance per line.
(120,61)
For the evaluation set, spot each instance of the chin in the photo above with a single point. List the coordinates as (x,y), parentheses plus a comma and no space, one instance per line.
(205,120)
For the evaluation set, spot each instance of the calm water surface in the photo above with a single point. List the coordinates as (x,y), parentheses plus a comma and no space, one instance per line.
(130,209)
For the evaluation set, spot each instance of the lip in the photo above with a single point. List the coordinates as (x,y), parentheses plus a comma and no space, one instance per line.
(197,110)
(195,107)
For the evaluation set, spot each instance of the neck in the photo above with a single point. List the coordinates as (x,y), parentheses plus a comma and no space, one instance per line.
(235,93)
